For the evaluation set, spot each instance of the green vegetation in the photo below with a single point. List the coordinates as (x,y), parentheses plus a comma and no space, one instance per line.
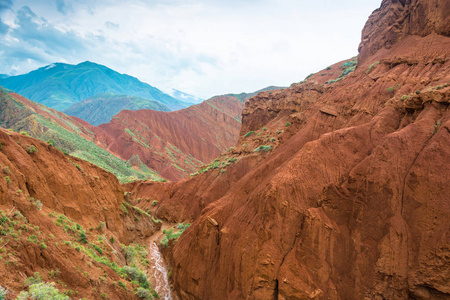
(42,291)
(154,202)
(263,148)
(3,293)
(249,133)
(62,85)
(404,97)
(372,66)
(171,235)
(288,124)
(31,149)
(1,146)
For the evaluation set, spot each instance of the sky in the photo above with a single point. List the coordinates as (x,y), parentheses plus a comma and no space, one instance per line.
(201,47)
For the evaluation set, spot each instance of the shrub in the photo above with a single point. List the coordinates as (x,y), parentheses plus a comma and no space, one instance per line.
(36,278)
(51,143)
(263,148)
(144,294)
(3,293)
(31,149)
(7,179)
(6,170)
(372,66)
(42,291)
(43,246)
(124,209)
(121,284)
(154,202)
(24,133)
(404,97)
(249,133)
(83,237)
(1,149)
(233,159)
(54,273)
(33,239)
(288,124)
(37,204)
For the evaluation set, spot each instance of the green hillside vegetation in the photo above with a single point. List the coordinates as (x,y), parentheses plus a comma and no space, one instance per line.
(101,108)
(60,85)
(17,117)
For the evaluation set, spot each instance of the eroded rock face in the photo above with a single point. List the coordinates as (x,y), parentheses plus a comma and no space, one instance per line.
(397,19)
(174,143)
(41,189)
(353,202)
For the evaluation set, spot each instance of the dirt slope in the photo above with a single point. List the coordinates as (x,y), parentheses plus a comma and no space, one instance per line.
(348,199)
(48,201)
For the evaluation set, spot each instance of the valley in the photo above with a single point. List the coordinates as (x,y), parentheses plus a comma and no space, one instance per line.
(335,187)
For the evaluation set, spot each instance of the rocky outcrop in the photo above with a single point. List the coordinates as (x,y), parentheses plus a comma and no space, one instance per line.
(397,19)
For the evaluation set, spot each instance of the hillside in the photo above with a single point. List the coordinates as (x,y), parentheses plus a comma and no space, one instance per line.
(101,108)
(338,186)
(174,143)
(66,221)
(70,135)
(60,85)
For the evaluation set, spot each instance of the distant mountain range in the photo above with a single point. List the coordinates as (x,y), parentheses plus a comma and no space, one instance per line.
(101,108)
(60,85)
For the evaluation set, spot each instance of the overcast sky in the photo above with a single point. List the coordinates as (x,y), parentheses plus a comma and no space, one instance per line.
(202,47)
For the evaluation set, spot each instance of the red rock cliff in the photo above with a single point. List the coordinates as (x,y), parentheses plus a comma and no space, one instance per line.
(353,201)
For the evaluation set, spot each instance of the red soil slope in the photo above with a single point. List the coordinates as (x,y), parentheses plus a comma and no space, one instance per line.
(352,199)
(31,240)
(174,143)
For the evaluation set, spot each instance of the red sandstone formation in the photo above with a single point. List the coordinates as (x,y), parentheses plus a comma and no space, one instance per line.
(352,199)
(34,173)
(174,143)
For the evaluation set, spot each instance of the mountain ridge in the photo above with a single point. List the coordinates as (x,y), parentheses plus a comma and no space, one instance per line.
(60,85)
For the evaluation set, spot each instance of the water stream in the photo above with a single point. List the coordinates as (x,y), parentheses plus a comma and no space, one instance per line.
(159,269)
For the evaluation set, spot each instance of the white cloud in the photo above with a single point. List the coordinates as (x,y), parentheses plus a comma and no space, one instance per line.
(203,47)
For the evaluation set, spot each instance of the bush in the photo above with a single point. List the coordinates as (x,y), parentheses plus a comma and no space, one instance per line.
(31,149)
(121,284)
(249,133)
(43,246)
(3,293)
(263,148)
(154,202)
(83,237)
(404,97)
(33,279)
(1,149)
(42,291)
(144,294)
(33,239)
